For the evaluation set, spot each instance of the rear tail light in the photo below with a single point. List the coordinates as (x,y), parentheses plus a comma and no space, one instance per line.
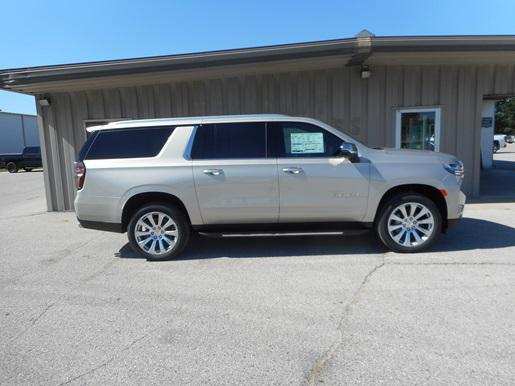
(80,174)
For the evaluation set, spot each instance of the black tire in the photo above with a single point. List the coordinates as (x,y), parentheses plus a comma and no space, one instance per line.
(381,225)
(27,169)
(496,146)
(12,167)
(182,225)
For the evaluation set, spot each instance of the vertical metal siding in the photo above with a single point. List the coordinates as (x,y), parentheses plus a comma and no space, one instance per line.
(363,108)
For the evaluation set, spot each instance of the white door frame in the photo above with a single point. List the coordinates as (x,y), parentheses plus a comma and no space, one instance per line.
(436,110)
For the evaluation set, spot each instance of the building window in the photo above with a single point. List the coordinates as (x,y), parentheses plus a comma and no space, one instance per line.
(418,129)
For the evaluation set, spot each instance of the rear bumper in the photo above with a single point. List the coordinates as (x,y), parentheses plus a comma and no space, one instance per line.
(101,226)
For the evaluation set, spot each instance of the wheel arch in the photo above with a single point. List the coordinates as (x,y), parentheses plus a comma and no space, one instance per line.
(428,191)
(138,200)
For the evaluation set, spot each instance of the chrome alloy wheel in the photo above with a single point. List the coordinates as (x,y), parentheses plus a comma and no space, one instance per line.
(156,233)
(411,224)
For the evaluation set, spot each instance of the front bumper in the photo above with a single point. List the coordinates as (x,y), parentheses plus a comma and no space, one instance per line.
(455,210)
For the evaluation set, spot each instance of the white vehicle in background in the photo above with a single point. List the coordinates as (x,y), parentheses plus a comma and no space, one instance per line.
(499,141)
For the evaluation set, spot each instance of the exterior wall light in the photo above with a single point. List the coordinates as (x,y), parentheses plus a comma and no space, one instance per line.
(365,72)
(43,102)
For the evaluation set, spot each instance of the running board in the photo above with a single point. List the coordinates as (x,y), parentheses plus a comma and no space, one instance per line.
(283,229)
(349,232)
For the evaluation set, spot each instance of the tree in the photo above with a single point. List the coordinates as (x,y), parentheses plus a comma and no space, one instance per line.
(505,116)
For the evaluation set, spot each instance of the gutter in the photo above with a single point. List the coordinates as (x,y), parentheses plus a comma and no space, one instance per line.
(10,79)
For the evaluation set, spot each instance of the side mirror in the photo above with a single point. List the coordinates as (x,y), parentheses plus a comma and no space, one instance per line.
(349,151)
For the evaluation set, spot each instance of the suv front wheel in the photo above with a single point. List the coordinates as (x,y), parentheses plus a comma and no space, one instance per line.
(408,223)
(158,231)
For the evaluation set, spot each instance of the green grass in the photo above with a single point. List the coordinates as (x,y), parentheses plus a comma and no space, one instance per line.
(2,170)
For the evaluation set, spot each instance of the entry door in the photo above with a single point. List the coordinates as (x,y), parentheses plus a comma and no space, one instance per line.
(234,181)
(314,183)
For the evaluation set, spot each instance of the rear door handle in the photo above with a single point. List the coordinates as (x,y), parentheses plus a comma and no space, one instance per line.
(292,170)
(213,172)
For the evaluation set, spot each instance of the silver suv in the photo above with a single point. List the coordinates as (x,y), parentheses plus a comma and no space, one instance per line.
(160,180)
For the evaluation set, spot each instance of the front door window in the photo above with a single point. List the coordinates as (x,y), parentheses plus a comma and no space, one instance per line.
(418,129)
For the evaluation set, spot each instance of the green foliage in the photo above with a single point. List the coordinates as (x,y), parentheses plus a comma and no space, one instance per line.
(505,116)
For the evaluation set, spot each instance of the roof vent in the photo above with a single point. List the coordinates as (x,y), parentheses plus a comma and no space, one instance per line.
(365,33)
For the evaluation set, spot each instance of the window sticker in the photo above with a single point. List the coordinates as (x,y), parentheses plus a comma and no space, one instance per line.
(307,143)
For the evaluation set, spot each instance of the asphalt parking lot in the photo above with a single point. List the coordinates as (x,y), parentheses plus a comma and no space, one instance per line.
(78,307)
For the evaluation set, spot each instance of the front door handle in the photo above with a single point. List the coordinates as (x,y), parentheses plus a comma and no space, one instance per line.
(213,172)
(292,170)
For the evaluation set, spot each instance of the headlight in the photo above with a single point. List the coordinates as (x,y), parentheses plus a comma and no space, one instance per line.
(455,168)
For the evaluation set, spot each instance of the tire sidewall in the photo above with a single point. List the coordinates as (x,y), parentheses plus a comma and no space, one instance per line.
(177,216)
(382,223)
(12,167)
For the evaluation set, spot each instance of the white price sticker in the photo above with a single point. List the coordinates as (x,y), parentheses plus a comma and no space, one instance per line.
(307,143)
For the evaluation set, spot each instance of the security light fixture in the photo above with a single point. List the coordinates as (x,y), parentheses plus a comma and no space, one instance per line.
(365,72)
(43,102)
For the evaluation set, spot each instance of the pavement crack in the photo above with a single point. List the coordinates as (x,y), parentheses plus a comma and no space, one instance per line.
(453,263)
(321,363)
(109,360)
(33,322)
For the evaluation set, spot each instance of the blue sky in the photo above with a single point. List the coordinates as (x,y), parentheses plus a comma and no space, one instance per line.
(39,32)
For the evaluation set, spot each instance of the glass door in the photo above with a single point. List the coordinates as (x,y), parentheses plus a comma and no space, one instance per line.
(418,129)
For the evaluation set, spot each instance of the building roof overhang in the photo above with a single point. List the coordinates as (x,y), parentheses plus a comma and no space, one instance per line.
(364,48)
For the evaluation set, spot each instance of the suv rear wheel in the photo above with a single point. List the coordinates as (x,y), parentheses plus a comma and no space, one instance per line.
(12,167)
(408,223)
(158,231)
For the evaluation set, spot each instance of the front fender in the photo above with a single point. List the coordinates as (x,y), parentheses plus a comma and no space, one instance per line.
(389,176)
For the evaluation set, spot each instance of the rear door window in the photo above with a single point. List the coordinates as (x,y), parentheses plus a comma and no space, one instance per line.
(301,140)
(127,143)
(230,141)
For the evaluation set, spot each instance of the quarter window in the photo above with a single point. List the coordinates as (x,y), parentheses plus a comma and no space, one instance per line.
(299,139)
(230,141)
(127,143)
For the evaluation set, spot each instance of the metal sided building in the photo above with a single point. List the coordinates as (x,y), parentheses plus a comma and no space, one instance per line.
(414,92)
(17,131)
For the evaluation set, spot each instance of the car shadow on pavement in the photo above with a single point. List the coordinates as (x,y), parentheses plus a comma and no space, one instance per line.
(201,247)
(470,234)
(473,233)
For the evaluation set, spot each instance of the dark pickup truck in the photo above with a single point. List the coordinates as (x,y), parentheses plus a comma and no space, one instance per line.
(29,159)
